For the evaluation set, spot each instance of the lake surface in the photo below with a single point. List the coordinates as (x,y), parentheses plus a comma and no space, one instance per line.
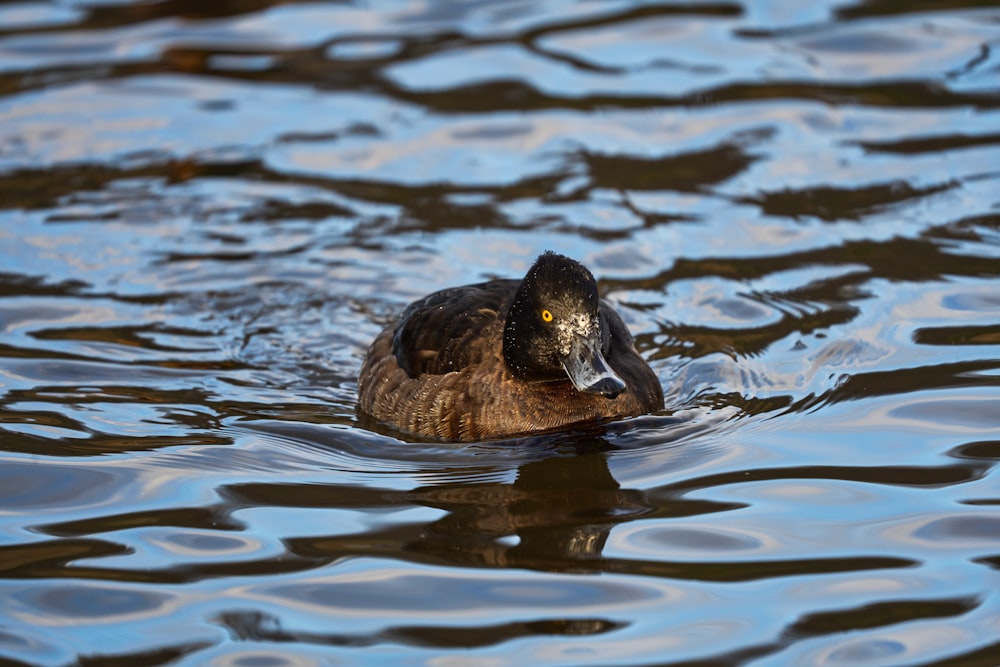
(208,210)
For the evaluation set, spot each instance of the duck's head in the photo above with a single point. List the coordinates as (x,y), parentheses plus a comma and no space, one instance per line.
(554,329)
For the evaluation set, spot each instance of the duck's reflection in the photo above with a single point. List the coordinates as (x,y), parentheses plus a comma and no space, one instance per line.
(556,514)
(543,502)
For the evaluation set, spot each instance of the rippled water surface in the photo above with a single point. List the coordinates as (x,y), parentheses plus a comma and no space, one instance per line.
(208,210)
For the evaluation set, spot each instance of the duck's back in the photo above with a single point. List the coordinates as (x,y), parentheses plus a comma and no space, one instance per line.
(422,373)
(452,329)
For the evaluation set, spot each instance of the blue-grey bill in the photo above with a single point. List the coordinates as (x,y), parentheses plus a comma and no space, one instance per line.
(589,371)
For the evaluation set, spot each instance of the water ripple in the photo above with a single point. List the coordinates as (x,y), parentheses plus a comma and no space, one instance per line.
(209,211)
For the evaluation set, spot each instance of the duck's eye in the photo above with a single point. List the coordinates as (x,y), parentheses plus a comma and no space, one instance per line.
(546,315)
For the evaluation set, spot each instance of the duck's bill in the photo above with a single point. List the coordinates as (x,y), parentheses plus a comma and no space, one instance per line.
(588,370)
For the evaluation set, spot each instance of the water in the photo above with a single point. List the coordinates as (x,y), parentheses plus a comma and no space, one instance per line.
(208,211)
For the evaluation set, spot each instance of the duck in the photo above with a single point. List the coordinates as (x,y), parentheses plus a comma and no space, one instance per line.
(507,358)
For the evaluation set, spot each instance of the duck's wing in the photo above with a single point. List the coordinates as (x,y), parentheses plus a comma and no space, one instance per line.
(452,329)
(620,353)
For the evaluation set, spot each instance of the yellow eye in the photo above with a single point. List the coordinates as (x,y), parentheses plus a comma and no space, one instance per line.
(546,316)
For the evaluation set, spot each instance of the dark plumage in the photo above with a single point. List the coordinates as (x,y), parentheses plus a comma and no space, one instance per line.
(507,357)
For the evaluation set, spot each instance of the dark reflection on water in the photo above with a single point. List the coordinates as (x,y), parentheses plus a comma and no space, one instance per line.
(207,211)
